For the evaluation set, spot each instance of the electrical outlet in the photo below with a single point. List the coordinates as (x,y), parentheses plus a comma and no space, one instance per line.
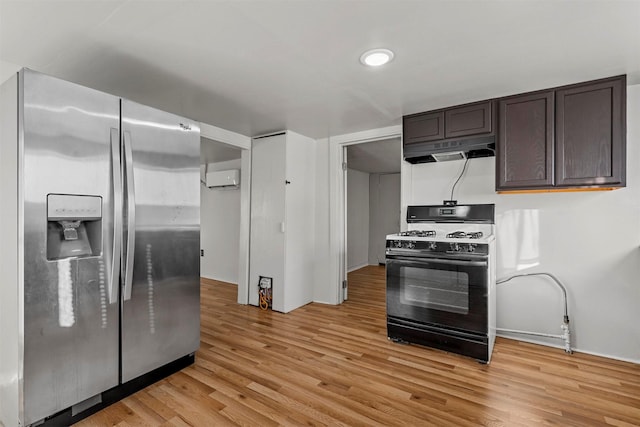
(201,252)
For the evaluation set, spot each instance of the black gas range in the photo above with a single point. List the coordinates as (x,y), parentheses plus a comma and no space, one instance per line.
(441,279)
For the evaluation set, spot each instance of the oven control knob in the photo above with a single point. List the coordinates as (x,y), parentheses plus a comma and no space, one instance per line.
(455,247)
(432,246)
(410,245)
(471,247)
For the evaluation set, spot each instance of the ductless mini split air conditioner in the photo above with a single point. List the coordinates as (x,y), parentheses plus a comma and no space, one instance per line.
(219,179)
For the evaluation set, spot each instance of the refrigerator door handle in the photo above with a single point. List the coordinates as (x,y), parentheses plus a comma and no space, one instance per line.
(117,215)
(131,216)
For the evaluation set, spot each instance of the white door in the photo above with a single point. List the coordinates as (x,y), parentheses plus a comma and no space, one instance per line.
(267,238)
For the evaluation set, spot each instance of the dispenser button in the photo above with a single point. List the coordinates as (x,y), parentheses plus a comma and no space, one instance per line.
(70,234)
(70,229)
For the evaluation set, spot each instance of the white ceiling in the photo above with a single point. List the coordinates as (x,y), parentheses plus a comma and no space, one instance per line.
(259,66)
(376,157)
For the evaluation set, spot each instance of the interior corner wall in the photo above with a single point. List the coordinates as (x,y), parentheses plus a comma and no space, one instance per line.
(589,240)
(220,228)
(7,70)
(384,213)
(357,219)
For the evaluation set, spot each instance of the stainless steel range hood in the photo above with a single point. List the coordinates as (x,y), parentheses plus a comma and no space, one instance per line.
(445,150)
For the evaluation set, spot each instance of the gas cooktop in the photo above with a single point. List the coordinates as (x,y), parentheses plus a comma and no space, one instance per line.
(449,224)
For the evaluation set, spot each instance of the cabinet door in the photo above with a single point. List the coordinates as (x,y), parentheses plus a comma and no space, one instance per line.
(590,134)
(423,127)
(525,142)
(468,120)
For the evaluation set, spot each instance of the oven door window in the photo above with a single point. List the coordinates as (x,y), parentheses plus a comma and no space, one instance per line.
(448,293)
(433,288)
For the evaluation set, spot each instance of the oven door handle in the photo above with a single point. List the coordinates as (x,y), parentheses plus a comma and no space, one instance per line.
(439,261)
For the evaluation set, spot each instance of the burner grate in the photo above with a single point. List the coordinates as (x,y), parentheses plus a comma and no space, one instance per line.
(464,235)
(418,233)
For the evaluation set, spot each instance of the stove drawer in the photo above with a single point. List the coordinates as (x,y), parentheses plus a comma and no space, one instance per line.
(441,338)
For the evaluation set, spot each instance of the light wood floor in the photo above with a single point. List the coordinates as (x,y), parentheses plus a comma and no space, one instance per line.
(333,365)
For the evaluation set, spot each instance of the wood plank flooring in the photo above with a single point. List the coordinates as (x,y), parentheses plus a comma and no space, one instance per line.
(333,365)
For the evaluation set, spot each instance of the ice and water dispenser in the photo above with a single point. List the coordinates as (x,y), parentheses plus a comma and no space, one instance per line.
(74,226)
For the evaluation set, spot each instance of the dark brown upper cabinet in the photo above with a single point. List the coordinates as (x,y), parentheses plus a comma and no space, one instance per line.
(468,120)
(451,123)
(563,138)
(525,141)
(591,134)
(423,127)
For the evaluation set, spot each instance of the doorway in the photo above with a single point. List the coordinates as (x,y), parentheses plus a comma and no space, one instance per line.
(219,212)
(372,201)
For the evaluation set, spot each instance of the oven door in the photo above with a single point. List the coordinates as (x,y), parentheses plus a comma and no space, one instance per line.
(450,293)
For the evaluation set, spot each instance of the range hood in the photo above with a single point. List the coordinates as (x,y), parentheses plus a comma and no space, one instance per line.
(444,150)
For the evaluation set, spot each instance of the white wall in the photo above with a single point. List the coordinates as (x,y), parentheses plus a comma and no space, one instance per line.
(7,69)
(11,265)
(357,219)
(324,290)
(220,228)
(589,240)
(384,213)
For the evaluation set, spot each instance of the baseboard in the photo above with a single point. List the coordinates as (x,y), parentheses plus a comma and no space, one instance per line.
(577,350)
(324,302)
(212,281)
(608,356)
(357,267)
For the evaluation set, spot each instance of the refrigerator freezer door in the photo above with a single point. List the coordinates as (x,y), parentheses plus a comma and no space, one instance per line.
(161,318)
(70,325)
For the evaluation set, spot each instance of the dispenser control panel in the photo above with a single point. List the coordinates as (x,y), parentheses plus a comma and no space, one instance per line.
(67,206)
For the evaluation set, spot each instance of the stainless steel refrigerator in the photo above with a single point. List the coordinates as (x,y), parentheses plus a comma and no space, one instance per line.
(100,229)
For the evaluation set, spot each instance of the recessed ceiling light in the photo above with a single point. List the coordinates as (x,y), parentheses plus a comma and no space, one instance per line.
(376,57)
